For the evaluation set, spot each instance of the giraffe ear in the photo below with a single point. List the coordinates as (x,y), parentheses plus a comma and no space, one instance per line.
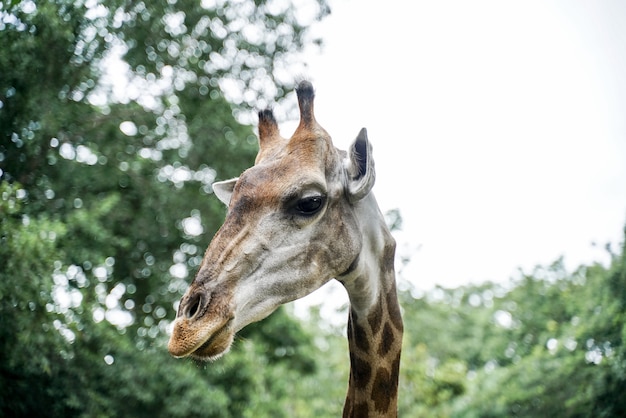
(360,167)
(224,190)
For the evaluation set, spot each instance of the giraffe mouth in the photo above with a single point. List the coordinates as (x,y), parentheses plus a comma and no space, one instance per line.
(200,342)
(216,344)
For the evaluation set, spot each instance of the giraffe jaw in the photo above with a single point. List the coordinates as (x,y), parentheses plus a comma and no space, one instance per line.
(216,345)
(201,343)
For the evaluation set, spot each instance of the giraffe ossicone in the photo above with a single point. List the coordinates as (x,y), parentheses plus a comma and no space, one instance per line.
(302,215)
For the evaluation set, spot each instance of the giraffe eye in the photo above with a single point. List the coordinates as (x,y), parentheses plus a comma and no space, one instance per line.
(308,206)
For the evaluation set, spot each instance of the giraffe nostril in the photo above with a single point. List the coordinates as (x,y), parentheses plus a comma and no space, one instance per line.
(193,306)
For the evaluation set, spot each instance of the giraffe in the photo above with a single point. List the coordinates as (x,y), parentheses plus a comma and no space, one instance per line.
(302,215)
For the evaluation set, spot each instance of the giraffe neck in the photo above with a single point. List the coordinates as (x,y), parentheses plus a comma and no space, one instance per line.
(374,330)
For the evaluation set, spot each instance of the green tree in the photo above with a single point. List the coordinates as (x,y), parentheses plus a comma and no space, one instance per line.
(548,343)
(568,346)
(106,202)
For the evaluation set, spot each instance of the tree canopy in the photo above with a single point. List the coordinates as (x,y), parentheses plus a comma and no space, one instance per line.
(106,202)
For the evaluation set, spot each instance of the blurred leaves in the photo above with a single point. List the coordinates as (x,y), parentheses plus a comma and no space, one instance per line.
(113,125)
(548,343)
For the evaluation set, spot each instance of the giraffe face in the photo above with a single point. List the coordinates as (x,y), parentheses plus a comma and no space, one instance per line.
(287,232)
(290,227)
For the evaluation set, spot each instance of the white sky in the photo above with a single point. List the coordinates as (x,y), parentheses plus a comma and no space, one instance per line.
(499,128)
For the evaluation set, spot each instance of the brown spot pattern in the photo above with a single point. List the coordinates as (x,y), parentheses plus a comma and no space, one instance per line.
(375,342)
(395,368)
(393,308)
(375,318)
(386,340)
(360,337)
(360,411)
(383,390)
(361,372)
(388,260)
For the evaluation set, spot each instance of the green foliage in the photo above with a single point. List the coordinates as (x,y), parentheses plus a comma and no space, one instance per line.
(106,203)
(550,343)
(30,346)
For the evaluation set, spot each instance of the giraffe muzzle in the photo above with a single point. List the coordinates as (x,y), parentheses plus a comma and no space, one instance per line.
(203,327)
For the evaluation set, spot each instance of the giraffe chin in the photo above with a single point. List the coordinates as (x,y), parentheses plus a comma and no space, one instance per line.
(216,345)
(200,344)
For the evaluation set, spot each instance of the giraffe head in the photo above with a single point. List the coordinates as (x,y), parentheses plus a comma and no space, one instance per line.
(290,228)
